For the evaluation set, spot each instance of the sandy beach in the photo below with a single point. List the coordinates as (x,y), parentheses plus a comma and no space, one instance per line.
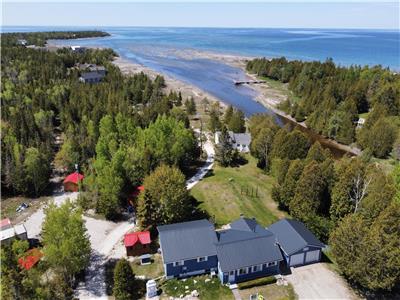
(128,68)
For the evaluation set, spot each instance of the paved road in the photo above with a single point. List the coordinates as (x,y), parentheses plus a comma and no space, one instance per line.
(317,281)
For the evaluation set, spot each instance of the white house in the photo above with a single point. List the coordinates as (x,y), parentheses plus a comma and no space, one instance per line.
(240,141)
(9,232)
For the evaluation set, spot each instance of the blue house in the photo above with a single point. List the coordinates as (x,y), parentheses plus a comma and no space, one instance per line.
(188,248)
(243,251)
(298,244)
(246,251)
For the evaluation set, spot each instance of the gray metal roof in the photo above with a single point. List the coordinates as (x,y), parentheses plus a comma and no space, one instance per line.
(187,240)
(92,75)
(242,138)
(293,235)
(246,244)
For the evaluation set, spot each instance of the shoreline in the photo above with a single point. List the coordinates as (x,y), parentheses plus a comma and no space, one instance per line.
(267,96)
(128,67)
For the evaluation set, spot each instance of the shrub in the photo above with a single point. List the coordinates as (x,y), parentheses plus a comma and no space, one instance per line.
(257,282)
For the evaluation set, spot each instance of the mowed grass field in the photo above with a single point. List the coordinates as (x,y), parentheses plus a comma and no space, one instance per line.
(228,192)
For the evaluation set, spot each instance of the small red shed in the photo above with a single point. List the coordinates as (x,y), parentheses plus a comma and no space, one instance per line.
(30,259)
(137,243)
(71,182)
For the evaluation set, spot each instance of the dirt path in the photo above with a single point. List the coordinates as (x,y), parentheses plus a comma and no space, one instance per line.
(209,149)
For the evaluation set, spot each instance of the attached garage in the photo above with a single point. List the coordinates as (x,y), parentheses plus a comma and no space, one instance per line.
(312,256)
(296,259)
(299,244)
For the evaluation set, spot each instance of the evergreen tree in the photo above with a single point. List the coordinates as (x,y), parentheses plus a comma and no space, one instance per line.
(123,281)
(237,122)
(224,152)
(228,115)
(190,106)
(350,182)
(214,123)
(308,194)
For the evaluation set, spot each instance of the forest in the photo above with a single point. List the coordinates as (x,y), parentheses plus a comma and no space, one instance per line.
(40,38)
(331,99)
(351,204)
(120,129)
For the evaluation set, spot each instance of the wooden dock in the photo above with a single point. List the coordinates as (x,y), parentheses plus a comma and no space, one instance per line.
(239,82)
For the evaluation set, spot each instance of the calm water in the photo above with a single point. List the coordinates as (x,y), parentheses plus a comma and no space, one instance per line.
(161,49)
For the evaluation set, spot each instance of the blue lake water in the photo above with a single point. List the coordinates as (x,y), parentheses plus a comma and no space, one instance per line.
(157,49)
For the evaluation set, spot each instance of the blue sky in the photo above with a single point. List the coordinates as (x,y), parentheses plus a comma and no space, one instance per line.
(258,13)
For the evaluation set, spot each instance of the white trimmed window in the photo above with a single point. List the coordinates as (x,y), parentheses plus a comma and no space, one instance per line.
(255,269)
(202,258)
(243,271)
(178,263)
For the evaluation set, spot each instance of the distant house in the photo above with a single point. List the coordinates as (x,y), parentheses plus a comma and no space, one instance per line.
(8,232)
(71,182)
(92,68)
(137,243)
(299,245)
(31,258)
(22,42)
(188,248)
(78,49)
(240,141)
(91,77)
(246,251)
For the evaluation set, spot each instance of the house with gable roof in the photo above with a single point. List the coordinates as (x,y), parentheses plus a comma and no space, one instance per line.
(298,244)
(246,251)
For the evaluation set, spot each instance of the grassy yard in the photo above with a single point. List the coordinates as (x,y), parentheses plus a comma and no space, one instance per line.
(9,205)
(153,270)
(228,192)
(270,292)
(210,290)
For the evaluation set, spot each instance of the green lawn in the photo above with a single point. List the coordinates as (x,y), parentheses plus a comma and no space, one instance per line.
(210,290)
(270,292)
(153,270)
(228,192)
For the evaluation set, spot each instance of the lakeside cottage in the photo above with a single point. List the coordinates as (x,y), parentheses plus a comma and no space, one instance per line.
(91,77)
(243,251)
(240,141)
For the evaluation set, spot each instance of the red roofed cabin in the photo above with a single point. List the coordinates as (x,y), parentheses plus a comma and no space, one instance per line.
(71,182)
(137,243)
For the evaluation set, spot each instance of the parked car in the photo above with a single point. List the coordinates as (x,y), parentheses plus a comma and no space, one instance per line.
(22,207)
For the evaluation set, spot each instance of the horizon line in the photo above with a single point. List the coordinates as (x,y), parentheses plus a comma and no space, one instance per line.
(208,27)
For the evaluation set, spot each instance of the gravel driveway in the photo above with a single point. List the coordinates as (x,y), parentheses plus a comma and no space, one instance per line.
(317,281)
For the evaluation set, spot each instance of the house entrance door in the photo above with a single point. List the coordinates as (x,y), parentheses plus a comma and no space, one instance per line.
(231,277)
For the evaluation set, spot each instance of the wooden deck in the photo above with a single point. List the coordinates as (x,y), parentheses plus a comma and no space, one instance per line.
(239,82)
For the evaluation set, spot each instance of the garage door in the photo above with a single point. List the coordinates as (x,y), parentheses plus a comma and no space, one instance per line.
(297,259)
(312,256)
